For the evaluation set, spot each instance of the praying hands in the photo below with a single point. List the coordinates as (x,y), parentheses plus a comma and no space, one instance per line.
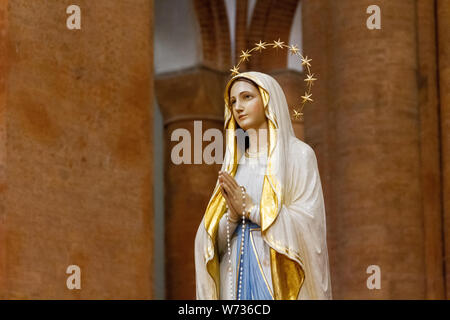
(238,201)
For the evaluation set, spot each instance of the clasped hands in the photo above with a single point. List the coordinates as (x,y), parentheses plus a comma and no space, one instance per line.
(232,192)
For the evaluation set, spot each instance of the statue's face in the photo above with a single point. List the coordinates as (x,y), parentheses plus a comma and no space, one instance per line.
(247,105)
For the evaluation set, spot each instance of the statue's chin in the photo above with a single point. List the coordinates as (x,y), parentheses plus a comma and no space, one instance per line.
(244,125)
(247,126)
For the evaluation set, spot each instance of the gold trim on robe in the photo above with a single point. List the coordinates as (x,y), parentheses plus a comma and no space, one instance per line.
(287,276)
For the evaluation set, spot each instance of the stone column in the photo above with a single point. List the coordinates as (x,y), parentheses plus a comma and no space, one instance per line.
(443,19)
(429,149)
(369,113)
(3,70)
(318,130)
(185,97)
(78,119)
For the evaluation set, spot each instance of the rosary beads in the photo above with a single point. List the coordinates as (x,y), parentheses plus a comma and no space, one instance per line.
(229,254)
(241,263)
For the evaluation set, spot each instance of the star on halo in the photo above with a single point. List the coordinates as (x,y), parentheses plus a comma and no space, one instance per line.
(297,114)
(306,61)
(278,44)
(260,45)
(234,71)
(245,55)
(293,49)
(310,79)
(307,97)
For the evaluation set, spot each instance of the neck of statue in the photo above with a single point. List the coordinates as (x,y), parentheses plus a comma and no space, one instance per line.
(258,140)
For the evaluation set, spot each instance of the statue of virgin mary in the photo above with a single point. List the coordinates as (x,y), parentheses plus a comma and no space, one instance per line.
(263,234)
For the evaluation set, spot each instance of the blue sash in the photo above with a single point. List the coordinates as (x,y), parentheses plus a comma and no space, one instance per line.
(254,285)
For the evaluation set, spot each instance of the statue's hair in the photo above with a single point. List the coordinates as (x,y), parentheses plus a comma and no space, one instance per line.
(242,79)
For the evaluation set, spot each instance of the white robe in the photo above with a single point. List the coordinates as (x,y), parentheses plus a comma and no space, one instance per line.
(250,174)
(299,226)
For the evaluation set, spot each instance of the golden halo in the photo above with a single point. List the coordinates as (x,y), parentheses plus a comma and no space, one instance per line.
(294,50)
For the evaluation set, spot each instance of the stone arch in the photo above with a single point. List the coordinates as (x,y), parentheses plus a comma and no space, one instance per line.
(271,20)
(214,32)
